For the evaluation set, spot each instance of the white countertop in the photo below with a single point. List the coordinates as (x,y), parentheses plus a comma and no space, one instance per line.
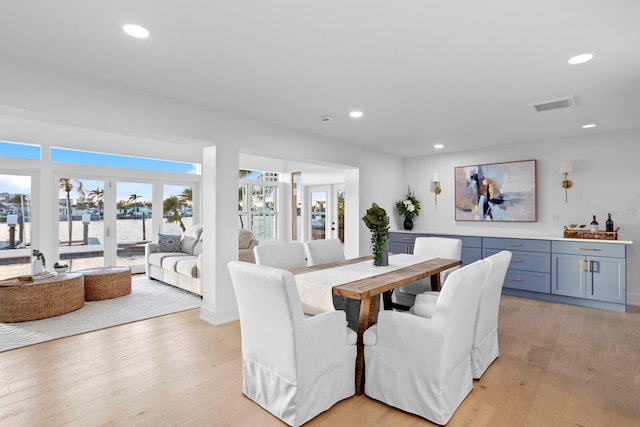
(512,235)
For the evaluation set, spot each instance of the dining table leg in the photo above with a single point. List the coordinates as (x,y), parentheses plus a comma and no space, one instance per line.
(367,313)
(435,283)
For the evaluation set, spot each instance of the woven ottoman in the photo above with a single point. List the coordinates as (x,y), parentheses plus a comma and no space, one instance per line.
(106,282)
(23,299)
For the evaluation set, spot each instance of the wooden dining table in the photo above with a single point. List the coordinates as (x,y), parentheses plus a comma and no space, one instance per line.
(366,290)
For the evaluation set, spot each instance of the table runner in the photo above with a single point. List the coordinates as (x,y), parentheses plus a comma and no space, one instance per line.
(316,287)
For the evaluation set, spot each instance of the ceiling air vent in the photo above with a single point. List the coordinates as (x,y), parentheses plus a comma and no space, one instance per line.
(539,107)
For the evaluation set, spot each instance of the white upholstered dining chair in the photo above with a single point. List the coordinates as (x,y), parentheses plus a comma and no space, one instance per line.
(427,247)
(323,251)
(485,339)
(422,364)
(286,256)
(293,366)
(485,347)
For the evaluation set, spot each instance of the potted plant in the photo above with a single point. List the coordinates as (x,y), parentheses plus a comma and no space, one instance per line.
(38,264)
(377,221)
(409,208)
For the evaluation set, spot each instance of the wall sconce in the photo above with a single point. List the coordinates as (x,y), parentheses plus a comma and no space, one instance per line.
(436,186)
(565,168)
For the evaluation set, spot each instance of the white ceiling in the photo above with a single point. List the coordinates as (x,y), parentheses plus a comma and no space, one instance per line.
(460,72)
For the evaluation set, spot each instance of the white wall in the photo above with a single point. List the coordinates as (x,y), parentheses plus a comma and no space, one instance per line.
(604,180)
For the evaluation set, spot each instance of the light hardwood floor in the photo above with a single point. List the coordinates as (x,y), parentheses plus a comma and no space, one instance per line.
(560,365)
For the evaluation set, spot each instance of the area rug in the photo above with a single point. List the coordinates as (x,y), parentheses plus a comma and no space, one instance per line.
(148,298)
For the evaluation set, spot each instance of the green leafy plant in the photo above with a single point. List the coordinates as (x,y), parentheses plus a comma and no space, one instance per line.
(409,206)
(377,221)
(39,255)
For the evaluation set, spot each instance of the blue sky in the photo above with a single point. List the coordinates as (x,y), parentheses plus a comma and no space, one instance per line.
(32,152)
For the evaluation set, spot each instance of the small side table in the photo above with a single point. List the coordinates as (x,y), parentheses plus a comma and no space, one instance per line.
(106,282)
(22,298)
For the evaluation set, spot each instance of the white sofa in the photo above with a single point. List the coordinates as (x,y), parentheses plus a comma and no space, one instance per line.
(181,267)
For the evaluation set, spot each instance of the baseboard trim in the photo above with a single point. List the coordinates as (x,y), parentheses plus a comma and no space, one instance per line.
(219,317)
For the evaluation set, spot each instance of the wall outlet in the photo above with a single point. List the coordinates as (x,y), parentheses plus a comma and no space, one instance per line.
(556,216)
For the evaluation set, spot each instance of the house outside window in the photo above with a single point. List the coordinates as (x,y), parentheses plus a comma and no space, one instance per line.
(258,203)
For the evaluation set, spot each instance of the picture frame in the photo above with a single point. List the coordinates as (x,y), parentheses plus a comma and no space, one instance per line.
(496,192)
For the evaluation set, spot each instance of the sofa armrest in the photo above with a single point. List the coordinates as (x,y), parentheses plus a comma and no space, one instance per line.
(199,265)
(149,248)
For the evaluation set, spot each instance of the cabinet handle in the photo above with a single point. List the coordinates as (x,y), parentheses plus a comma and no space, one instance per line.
(514,244)
(588,249)
(516,260)
(514,279)
(407,238)
(585,265)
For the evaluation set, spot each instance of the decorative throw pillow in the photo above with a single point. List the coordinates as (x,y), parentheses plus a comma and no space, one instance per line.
(168,242)
(187,244)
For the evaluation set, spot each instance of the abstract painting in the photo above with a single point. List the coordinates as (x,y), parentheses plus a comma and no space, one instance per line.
(496,192)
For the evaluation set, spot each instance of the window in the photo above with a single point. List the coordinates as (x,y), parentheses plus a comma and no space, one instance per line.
(15,225)
(257,203)
(177,208)
(19,151)
(112,160)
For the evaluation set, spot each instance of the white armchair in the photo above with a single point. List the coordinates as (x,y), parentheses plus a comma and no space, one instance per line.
(293,366)
(420,364)
(427,248)
(485,339)
(286,256)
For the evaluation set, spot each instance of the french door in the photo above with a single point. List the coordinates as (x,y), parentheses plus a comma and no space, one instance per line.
(103,221)
(325,217)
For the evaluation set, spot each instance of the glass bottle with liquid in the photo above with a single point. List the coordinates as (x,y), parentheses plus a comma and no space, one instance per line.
(594,224)
(609,223)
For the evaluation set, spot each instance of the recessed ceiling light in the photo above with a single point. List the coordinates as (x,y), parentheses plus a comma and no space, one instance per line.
(438,146)
(590,125)
(579,59)
(136,31)
(356,114)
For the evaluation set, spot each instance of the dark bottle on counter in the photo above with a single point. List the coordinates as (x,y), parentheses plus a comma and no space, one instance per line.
(594,224)
(609,224)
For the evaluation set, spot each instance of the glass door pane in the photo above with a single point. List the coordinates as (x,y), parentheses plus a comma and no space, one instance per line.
(80,225)
(339,215)
(15,226)
(177,208)
(133,223)
(318,213)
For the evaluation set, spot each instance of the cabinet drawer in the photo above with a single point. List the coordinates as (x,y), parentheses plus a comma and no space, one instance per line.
(406,238)
(589,248)
(516,244)
(528,281)
(528,261)
(467,241)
